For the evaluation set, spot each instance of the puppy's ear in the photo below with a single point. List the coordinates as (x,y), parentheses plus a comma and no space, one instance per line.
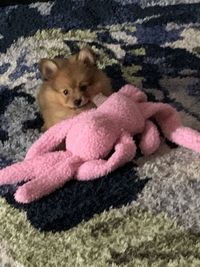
(87,56)
(48,68)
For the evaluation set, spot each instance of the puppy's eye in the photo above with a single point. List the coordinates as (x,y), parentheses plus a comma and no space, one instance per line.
(65,92)
(83,88)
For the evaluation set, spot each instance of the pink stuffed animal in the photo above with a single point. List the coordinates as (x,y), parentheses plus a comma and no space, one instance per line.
(90,137)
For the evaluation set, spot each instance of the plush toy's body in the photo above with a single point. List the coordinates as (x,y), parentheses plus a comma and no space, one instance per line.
(90,137)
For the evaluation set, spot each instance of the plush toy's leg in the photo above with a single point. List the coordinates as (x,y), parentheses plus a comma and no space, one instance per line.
(150,140)
(17,172)
(125,151)
(29,169)
(50,180)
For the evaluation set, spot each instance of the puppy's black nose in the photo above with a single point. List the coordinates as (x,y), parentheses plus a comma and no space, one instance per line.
(77,102)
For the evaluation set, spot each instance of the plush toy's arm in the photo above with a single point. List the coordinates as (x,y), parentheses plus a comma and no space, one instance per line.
(150,139)
(125,150)
(134,93)
(50,139)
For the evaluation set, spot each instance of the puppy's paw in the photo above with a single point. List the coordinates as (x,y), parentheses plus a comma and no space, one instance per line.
(43,128)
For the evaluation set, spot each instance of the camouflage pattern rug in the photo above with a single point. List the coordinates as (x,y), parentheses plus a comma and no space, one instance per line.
(146,213)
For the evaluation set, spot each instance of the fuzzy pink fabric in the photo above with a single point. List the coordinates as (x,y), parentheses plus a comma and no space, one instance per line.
(90,137)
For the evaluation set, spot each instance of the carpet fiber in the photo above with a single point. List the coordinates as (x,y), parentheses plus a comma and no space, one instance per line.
(146,213)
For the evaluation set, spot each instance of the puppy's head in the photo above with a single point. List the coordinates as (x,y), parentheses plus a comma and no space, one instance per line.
(75,79)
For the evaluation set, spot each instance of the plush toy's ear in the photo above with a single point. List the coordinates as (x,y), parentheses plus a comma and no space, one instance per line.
(87,56)
(48,68)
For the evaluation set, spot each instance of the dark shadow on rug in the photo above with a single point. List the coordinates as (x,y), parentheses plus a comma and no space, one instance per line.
(78,201)
(20,2)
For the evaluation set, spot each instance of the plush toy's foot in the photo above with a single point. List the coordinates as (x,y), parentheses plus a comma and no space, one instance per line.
(23,195)
(150,140)
(17,172)
(50,180)
(38,188)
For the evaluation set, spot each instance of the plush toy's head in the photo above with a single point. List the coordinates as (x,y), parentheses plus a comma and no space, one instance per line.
(92,137)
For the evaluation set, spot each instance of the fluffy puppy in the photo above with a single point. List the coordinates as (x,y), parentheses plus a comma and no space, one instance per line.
(68,86)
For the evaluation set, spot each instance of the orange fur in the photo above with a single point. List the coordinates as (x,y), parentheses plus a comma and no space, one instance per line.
(68,86)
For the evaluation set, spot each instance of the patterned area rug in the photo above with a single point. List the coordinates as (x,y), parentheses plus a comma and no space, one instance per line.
(148,212)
